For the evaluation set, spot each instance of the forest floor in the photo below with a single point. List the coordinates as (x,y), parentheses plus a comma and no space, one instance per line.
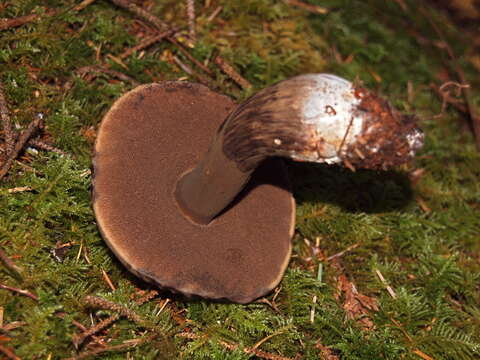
(385,265)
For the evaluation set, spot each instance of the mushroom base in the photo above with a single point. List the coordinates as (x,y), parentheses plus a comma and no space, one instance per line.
(150,137)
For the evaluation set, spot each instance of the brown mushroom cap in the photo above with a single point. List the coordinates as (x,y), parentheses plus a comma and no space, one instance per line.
(149,138)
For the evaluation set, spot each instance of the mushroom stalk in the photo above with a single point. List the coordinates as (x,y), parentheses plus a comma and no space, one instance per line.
(315,117)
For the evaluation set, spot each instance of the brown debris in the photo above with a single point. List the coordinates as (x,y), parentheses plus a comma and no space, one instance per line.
(326,352)
(383,142)
(357,306)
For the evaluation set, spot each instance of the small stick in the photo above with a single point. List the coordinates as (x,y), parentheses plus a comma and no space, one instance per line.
(80,338)
(167,300)
(83,5)
(8,353)
(214,13)
(22,140)
(191,19)
(97,69)
(9,263)
(19,291)
(61,315)
(47,147)
(388,287)
(230,71)
(107,280)
(312,8)
(422,354)
(100,303)
(125,345)
(19,189)
(467,94)
(146,43)
(141,13)
(16,22)
(247,350)
(190,57)
(272,305)
(147,297)
(189,71)
(312,311)
(8,132)
(351,247)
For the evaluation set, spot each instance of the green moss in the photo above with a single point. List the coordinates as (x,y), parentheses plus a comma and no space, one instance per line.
(428,256)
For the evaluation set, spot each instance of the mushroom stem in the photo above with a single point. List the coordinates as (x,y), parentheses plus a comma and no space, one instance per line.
(203,192)
(313,117)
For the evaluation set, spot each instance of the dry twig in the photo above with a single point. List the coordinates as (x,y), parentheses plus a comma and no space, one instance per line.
(474,118)
(21,142)
(80,338)
(247,350)
(83,5)
(125,345)
(311,8)
(141,13)
(214,14)
(8,353)
(8,132)
(98,69)
(19,189)
(36,143)
(19,291)
(384,282)
(146,43)
(190,57)
(97,302)
(191,19)
(230,71)
(9,263)
(147,297)
(202,79)
(341,253)
(16,22)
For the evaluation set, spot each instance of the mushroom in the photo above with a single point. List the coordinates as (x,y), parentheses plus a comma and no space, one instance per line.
(215,217)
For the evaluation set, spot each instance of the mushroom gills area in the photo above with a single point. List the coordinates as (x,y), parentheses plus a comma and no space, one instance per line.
(150,137)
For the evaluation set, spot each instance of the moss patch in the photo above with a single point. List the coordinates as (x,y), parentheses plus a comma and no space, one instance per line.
(417,226)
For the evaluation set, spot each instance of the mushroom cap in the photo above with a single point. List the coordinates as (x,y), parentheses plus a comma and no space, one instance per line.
(146,141)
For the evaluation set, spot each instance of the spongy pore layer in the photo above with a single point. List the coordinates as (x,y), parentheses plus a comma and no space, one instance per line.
(150,137)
